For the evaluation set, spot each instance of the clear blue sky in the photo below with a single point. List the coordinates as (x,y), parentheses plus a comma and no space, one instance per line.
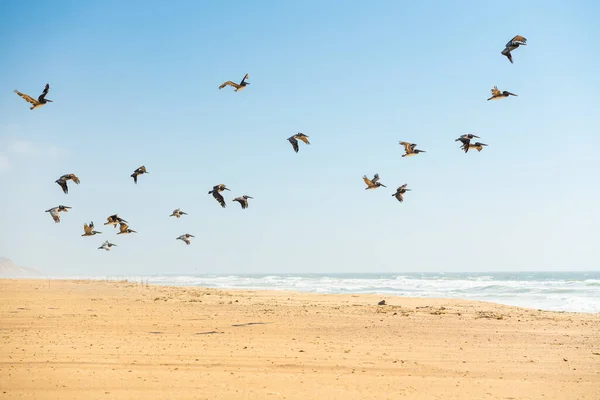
(136,83)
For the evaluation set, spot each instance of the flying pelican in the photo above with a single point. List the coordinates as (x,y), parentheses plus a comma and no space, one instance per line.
(215,192)
(89,229)
(54,212)
(243,200)
(114,220)
(497,94)
(294,140)
(237,86)
(62,181)
(400,191)
(177,213)
(41,101)
(185,238)
(372,183)
(410,149)
(106,246)
(513,44)
(141,170)
(124,229)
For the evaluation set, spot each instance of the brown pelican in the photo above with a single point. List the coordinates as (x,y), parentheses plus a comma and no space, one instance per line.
(62,181)
(42,100)
(497,94)
(294,140)
(89,229)
(400,191)
(54,212)
(237,86)
(215,192)
(372,183)
(410,149)
(513,44)
(177,213)
(141,170)
(124,229)
(106,246)
(243,200)
(114,220)
(185,238)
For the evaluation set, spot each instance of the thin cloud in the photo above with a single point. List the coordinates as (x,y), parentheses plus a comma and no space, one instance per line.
(14,150)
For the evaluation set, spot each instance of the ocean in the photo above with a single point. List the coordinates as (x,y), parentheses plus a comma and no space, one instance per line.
(552,291)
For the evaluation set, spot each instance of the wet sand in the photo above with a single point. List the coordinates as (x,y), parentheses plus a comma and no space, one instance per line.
(119,340)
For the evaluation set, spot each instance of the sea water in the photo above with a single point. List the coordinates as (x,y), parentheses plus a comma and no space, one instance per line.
(556,291)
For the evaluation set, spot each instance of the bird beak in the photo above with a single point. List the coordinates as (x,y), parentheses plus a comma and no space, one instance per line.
(384,186)
(227,189)
(49,101)
(250,197)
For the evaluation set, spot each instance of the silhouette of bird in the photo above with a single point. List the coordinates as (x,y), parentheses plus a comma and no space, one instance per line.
(114,220)
(237,86)
(217,195)
(89,229)
(410,149)
(243,200)
(124,229)
(141,170)
(55,212)
(185,238)
(400,191)
(62,181)
(294,140)
(41,100)
(513,44)
(106,246)
(497,94)
(372,183)
(177,213)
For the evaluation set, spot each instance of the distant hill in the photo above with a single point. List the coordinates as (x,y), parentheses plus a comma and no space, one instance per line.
(9,269)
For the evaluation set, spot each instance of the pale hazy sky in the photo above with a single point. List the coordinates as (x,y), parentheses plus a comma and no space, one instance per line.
(136,83)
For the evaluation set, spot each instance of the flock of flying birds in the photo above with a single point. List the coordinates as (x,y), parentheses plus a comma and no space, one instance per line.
(410,149)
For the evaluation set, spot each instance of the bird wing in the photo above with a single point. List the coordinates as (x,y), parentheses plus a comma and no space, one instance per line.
(375,178)
(87,229)
(244,80)
(134,176)
(294,143)
(399,197)
(55,215)
(123,227)
(367,181)
(517,40)
(407,147)
(74,178)
(509,56)
(402,187)
(464,140)
(495,91)
(63,184)
(219,198)
(302,137)
(229,83)
(27,97)
(44,93)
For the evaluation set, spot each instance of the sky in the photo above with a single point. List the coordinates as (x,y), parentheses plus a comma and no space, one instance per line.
(136,83)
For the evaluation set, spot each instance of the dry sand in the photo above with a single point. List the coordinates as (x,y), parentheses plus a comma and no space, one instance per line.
(119,340)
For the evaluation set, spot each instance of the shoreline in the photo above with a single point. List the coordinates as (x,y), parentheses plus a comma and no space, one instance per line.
(142,279)
(120,340)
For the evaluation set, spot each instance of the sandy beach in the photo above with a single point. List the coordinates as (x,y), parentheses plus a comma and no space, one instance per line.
(120,340)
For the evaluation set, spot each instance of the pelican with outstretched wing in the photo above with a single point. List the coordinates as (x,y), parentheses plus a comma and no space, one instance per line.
(41,100)
(294,140)
(514,43)
(139,171)
(124,229)
(62,181)
(372,183)
(185,238)
(55,212)
(243,200)
(106,246)
(88,230)
(217,195)
(497,94)
(237,86)
(400,192)
(410,149)
(177,213)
